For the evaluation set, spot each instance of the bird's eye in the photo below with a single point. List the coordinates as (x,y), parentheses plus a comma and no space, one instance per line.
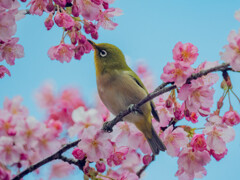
(103,53)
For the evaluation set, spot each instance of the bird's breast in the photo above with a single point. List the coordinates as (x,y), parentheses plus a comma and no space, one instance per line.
(118,91)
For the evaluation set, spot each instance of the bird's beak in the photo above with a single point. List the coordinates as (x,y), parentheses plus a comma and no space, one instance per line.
(93,44)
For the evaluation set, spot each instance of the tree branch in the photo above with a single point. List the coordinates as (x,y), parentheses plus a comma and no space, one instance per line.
(57,155)
(107,126)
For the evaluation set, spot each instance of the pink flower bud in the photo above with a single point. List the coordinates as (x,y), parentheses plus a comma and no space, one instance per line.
(101,167)
(147,159)
(187,113)
(94,35)
(75,10)
(105,5)
(77,26)
(49,22)
(198,142)
(50,7)
(89,27)
(178,113)
(11,132)
(82,39)
(220,103)
(78,154)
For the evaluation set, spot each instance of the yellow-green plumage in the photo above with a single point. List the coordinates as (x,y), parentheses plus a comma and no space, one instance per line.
(119,87)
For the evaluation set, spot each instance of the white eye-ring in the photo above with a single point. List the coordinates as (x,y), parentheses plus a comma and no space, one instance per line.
(103,53)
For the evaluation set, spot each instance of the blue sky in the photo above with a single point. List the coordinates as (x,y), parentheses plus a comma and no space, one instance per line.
(148,30)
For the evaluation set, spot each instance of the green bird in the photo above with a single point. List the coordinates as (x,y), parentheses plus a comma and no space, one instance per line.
(119,87)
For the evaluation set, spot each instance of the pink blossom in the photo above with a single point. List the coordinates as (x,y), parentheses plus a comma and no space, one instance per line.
(132,161)
(121,174)
(104,18)
(237,15)
(198,142)
(193,117)
(118,156)
(60,170)
(78,153)
(164,115)
(8,25)
(147,159)
(218,135)
(7,123)
(176,72)
(232,51)
(9,153)
(83,47)
(3,71)
(88,9)
(5,174)
(231,118)
(83,120)
(218,157)
(196,96)
(174,140)
(10,50)
(14,106)
(56,126)
(37,6)
(187,52)
(47,142)
(96,147)
(64,20)
(6,4)
(100,166)
(191,163)
(45,96)
(62,52)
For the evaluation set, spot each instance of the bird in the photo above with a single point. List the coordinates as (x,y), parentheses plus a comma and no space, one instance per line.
(119,88)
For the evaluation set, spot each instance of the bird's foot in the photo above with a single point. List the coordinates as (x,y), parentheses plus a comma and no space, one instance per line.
(134,109)
(107,127)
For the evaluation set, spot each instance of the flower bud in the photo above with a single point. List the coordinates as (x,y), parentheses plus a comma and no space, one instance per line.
(78,154)
(101,167)
(147,159)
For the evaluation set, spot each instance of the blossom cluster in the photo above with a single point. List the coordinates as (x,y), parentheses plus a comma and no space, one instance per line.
(9,49)
(75,17)
(23,140)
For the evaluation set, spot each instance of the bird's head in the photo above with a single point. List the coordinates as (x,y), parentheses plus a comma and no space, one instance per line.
(107,57)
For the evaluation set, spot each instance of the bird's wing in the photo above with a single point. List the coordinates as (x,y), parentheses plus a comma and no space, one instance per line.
(139,82)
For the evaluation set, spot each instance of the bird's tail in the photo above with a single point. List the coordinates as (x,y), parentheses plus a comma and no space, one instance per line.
(155,143)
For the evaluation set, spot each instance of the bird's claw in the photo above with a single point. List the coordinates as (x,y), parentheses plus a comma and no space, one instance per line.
(134,109)
(107,127)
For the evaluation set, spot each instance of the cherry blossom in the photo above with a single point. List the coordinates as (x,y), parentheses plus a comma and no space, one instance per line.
(174,140)
(191,163)
(10,50)
(78,153)
(97,146)
(37,6)
(198,142)
(104,18)
(64,20)
(176,72)
(62,52)
(231,54)
(187,52)
(231,118)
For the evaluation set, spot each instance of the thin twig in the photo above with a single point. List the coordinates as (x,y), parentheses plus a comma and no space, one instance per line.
(57,155)
(158,91)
